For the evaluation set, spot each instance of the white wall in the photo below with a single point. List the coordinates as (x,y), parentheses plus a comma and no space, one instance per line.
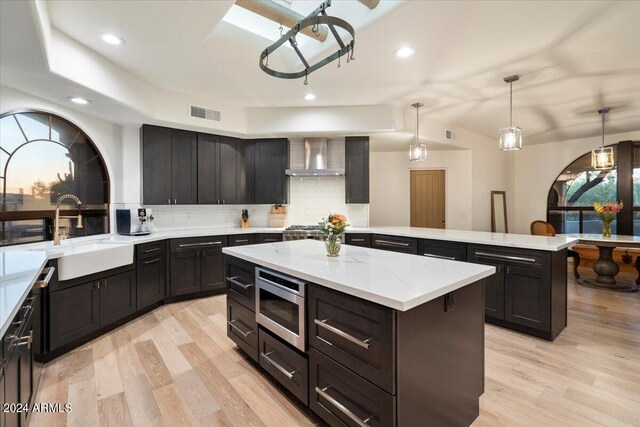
(536,167)
(390,197)
(474,167)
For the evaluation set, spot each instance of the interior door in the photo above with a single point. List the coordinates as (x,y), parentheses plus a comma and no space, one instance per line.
(427,191)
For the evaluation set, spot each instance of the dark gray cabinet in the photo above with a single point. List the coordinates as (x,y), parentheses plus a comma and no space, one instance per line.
(356,173)
(266,161)
(269,237)
(77,311)
(454,251)
(528,291)
(117,297)
(197,265)
(221,178)
(407,245)
(74,313)
(169,166)
(358,239)
(151,274)
(242,239)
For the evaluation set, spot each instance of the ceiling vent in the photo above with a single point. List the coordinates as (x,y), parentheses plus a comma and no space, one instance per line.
(205,113)
(449,135)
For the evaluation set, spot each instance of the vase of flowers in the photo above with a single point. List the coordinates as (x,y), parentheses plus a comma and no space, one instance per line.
(333,227)
(607,212)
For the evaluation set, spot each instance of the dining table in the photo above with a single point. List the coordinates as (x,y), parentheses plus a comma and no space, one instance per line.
(605,267)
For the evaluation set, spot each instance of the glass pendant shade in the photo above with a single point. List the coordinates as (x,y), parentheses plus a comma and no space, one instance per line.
(511,138)
(602,158)
(418,152)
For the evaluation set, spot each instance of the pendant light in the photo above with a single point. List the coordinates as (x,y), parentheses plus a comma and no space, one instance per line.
(511,137)
(602,158)
(418,150)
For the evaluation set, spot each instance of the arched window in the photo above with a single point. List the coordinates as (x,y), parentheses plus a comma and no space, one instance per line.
(43,156)
(571,197)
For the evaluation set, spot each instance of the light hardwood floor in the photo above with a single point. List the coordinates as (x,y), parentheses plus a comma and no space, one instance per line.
(175,366)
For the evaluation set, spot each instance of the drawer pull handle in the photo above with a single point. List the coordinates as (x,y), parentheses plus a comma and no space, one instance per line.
(323,324)
(276,365)
(390,243)
(45,282)
(152,261)
(232,324)
(322,392)
(233,280)
(195,245)
(440,256)
(505,257)
(242,241)
(148,251)
(270,240)
(357,240)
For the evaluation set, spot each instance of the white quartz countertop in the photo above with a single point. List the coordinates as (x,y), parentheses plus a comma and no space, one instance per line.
(614,240)
(18,272)
(395,280)
(524,241)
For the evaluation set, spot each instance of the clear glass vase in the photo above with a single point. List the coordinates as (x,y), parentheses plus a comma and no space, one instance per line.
(606,229)
(333,245)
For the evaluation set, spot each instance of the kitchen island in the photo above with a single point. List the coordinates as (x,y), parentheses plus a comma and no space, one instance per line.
(381,338)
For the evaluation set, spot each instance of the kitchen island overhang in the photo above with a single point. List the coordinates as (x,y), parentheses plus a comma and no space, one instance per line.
(389,337)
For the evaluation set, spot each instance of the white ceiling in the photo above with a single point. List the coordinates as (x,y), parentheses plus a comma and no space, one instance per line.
(573,57)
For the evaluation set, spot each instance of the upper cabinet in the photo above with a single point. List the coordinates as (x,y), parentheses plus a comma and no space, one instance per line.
(357,169)
(266,161)
(169,166)
(220,170)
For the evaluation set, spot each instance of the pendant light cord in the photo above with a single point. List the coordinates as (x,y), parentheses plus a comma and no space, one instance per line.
(417,124)
(604,112)
(510,104)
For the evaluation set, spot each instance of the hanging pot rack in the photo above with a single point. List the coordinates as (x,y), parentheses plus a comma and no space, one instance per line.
(314,20)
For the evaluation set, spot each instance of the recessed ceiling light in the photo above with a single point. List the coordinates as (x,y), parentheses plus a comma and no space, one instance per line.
(112,39)
(310,97)
(79,100)
(405,52)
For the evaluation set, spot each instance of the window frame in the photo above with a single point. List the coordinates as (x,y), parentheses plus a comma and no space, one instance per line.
(623,192)
(48,215)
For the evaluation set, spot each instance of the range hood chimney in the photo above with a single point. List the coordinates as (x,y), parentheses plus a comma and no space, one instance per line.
(316,160)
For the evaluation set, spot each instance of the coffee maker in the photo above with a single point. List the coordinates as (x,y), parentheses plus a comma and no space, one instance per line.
(134,222)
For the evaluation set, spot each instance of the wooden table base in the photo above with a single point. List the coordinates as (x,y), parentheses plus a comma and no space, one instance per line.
(607,269)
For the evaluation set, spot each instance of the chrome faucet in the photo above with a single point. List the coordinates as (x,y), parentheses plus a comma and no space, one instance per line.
(56,233)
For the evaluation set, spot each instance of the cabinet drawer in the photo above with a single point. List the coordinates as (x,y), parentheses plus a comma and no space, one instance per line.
(269,237)
(150,250)
(242,239)
(285,364)
(539,260)
(198,243)
(356,333)
(240,277)
(342,398)
(443,250)
(242,327)
(359,239)
(405,245)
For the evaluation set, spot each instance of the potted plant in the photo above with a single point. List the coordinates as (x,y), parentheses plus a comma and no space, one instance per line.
(333,227)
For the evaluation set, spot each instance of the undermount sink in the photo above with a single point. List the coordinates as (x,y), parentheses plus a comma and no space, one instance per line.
(83,259)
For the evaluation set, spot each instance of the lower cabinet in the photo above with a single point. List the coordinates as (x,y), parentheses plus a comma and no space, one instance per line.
(286,365)
(407,245)
(242,327)
(528,291)
(74,313)
(117,297)
(151,278)
(358,239)
(77,311)
(197,265)
(454,251)
(341,397)
(269,237)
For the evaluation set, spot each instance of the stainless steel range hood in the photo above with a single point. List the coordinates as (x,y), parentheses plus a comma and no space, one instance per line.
(316,160)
